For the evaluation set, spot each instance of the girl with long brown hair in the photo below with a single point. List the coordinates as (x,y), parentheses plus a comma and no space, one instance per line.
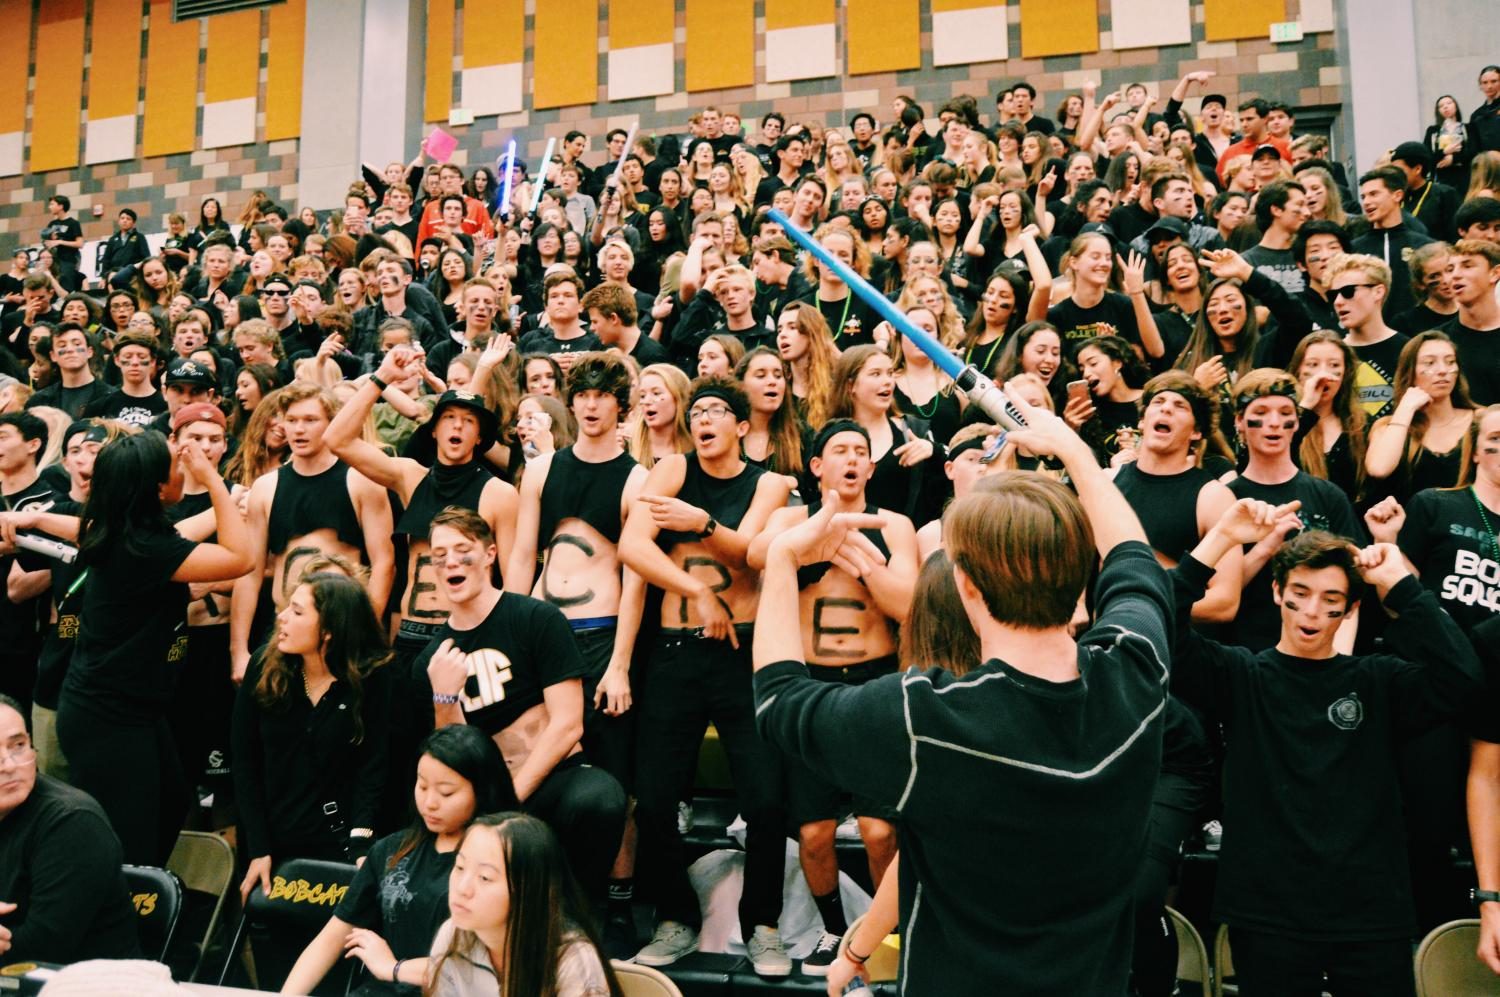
(1425,442)
(1332,444)
(804,341)
(775,437)
(309,730)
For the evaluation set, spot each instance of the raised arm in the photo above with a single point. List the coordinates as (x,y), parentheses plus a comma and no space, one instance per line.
(229,557)
(343,433)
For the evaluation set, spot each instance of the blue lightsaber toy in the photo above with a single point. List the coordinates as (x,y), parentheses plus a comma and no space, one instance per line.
(982,391)
(510,169)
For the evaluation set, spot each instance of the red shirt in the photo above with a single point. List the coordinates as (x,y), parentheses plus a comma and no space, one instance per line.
(1245,147)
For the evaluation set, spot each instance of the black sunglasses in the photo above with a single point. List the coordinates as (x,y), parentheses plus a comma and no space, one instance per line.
(274,292)
(1348,291)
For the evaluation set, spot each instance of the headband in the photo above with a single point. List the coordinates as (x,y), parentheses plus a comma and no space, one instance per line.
(736,405)
(831,429)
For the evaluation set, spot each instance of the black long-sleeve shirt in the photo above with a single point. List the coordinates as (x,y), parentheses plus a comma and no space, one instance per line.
(294,758)
(60,865)
(1313,841)
(1024,803)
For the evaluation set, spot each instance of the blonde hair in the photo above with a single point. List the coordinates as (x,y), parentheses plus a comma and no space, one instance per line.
(677,386)
(1372,267)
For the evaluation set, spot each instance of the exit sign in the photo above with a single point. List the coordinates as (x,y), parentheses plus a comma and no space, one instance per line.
(1286,31)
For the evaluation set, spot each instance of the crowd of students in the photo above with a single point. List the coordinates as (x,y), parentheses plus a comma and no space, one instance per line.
(436,487)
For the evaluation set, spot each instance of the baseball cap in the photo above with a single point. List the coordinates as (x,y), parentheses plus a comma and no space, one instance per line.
(1167,228)
(184,371)
(1214,98)
(198,412)
(1265,151)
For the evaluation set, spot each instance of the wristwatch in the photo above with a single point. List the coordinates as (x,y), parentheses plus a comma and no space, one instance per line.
(708,528)
(1478,897)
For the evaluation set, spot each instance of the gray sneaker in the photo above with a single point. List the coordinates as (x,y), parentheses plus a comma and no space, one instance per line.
(767,957)
(671,941)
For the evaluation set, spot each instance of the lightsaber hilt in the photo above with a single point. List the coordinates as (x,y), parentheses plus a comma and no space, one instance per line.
(620,164)
(981,390)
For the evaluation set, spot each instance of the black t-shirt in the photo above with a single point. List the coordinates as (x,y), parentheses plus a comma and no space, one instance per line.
(57,645)
(1479,358)
(851,321)
(1114,315)
(21,624)
(1258,623)
(542,340)
(523,646)
(404,904)
(133,629)
(68,230)
(60,865)
(1279,265)
(74,401)
(1129,220)
(648,351)
(1375,380)
(1449,542)
(128,409)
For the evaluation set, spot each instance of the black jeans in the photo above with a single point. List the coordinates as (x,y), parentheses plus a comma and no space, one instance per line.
(585,806)
(690,682)
(132,768)
(608,741)
(1275,965)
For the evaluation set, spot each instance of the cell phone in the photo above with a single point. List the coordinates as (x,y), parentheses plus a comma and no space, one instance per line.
(1078,389)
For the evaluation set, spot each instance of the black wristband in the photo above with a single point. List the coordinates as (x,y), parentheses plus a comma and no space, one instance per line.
(375,380)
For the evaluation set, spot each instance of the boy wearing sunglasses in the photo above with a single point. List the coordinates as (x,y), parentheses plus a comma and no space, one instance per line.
(1358,286)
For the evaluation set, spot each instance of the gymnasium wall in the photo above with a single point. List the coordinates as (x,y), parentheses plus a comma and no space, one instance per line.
(168,113)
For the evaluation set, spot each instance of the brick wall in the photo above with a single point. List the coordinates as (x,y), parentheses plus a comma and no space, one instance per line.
(1305,74)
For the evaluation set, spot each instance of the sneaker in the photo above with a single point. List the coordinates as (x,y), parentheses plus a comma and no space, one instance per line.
(767,957)
(619,936)
(822,956)
(671,942)
(1213,836)
(684,818)
(848,829)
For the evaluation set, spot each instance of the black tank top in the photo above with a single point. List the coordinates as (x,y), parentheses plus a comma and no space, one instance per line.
(1167,505)
(446,484)
(580,489)
(811,574)
(725,499)
(308,502)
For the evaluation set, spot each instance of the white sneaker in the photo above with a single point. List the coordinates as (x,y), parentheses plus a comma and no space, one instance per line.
(671,941)
(848,829)
(767,957)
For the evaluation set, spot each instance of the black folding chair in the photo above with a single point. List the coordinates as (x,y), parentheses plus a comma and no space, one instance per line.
(156,895)
(304,893)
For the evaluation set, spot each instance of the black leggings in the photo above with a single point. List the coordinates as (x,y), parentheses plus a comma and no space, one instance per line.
(132,768)
(1174,813)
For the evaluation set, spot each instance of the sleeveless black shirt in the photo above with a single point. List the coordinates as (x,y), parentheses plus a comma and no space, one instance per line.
(1167,505)
(580,489)
(307,502)
(725,499)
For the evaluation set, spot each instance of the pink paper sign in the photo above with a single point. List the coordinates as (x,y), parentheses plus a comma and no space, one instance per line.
(440,145)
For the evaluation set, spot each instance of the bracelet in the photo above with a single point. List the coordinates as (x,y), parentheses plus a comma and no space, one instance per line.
(396,971)
(445,698)
(1399,425)
(378,382)
(856,959)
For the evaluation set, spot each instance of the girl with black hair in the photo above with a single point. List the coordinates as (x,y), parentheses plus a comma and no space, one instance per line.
(874,218)
(452,272)
(662,236)
(310,729)
(518,923)
(1107,416)
(111,716)
(398,898)
(546,248)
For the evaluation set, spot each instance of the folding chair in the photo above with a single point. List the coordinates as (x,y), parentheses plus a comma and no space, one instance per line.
(643,981)
(1448,963)
(304,893)
(156,895)
(205,864)
(1192,955)
(1223,964)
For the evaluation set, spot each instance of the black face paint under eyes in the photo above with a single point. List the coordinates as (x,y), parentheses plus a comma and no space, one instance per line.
(467,560)
(1335,614)
(1489,451)
(1255,423)
(1289,604)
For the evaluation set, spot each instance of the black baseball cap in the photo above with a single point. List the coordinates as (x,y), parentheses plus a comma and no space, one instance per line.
(1213,98)
(1167,228)
(185,371)
(1265,151)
